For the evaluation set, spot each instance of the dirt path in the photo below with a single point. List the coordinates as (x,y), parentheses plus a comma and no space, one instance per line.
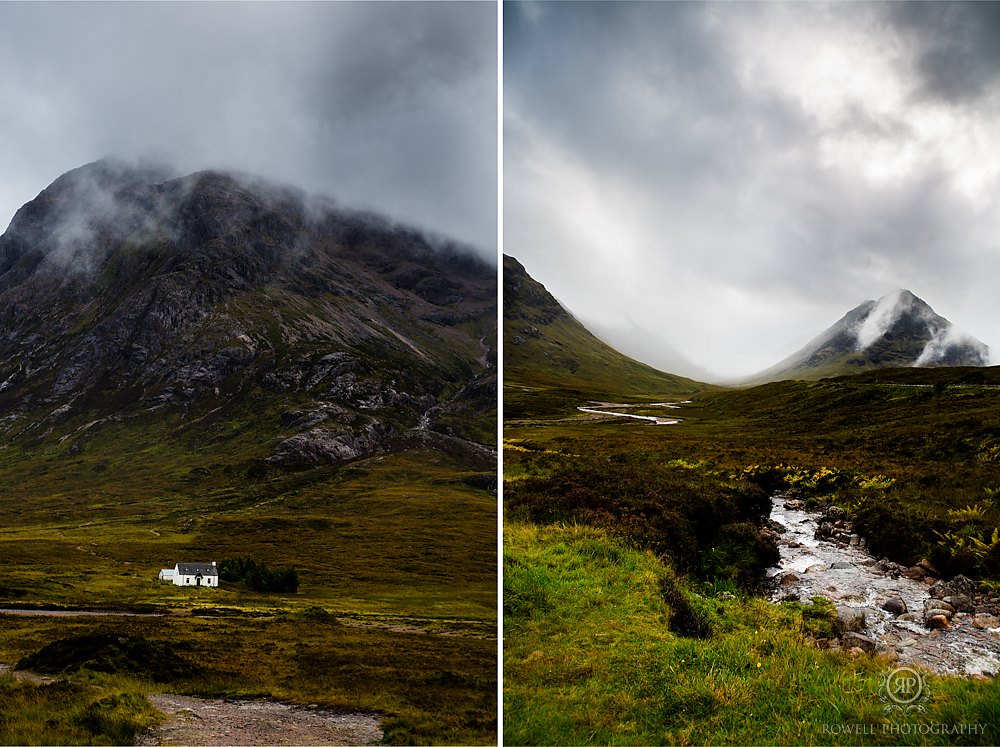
(28,612)
(197,722)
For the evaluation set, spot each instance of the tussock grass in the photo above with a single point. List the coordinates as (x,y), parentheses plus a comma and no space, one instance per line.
(102,711)
(590,659)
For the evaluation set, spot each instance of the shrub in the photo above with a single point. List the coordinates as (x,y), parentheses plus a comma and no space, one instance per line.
(118,718)
(678,515)
(257,576)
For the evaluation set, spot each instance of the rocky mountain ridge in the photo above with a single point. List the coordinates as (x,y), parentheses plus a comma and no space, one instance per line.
(125,291)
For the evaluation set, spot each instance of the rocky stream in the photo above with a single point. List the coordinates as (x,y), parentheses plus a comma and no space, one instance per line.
(907,613)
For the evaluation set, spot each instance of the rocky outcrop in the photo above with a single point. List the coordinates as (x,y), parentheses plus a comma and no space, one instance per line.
(326,446)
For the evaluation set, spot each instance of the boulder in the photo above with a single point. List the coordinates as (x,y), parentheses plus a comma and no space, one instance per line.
(985,620)
(958,585)
(851,618)
(928,567)
(788,579)
(841,565)
(938,604)
(858,641)
(928,614)
(938,622)
(894,605)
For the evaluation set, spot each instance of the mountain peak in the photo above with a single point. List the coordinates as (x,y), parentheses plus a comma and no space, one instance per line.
(899,329)
(119,287)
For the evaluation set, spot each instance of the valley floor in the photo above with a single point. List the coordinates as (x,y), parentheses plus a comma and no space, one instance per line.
(631,554)
(395,615)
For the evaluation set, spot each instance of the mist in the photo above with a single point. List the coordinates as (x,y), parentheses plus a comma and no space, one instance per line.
(726,180)
(388,107)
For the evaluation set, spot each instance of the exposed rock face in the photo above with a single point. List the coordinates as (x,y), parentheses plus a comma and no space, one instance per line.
(322,445)
(123,291)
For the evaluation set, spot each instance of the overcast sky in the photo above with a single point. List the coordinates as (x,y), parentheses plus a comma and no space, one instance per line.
(380,105)
(728,179)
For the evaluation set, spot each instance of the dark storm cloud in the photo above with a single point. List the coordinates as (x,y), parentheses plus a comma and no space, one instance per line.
(390,106)
(730,178)
(957,45)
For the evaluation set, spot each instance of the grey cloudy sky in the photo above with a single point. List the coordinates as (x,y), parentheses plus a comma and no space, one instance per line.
(388,106)
(728,179)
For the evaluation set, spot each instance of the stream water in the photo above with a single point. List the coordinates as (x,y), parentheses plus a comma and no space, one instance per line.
(849,576)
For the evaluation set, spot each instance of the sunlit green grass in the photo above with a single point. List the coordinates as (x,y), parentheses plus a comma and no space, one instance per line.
(589,659)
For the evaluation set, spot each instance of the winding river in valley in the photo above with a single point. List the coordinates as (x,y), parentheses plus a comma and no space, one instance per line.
(605,408)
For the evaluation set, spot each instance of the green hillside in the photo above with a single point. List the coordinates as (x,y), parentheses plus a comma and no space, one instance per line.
(553,363)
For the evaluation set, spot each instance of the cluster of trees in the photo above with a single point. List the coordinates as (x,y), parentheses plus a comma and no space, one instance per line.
(257,576)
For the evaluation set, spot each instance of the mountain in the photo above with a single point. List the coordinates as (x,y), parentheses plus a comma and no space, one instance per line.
(897,330)
(551,361)
(129,295)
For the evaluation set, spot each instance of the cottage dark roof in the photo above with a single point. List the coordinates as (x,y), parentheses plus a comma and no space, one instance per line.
(193,569)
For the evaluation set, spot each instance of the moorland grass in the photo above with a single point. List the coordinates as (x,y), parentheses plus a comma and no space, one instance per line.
(399,547)
(428,687)
(599,510)
(589,659)
(98,710)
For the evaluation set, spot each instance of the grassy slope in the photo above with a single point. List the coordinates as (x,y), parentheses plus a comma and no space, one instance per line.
(588,660)
(560,363)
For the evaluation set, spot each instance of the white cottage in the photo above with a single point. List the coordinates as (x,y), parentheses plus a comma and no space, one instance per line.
(192,574)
